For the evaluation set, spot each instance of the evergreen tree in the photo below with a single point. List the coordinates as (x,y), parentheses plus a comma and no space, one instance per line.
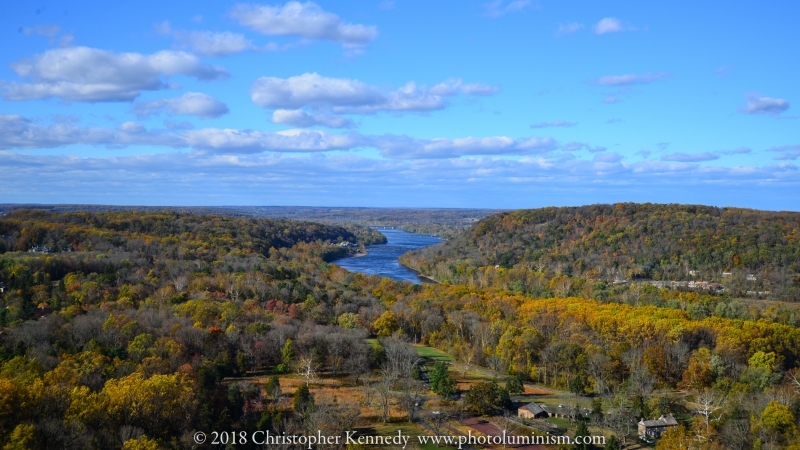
(581,435)
(441,381)
(303,400)
(613,443)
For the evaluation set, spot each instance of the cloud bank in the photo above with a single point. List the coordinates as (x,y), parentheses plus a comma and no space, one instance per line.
(87,74)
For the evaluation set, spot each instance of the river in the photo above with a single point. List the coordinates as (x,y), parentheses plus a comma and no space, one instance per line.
(382,259)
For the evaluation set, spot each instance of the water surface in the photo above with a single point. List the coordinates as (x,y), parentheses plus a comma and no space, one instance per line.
(382,259)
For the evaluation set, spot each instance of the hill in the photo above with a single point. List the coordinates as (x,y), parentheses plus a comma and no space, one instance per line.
(628,241)
(21,230)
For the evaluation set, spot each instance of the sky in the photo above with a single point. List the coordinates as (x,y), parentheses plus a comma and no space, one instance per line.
(498,104)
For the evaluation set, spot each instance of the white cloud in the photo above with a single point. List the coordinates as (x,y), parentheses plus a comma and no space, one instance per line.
(92,75)
(312,89)
(630,79)
(350,96)
(19,132)
(497,8)
(229,141)
(190,103)
(690,157)
(203,178)
(555,123)
(608,25)
(404,147)
(305,20)
(300,118)
(765,105)
(569,28)
(207,42)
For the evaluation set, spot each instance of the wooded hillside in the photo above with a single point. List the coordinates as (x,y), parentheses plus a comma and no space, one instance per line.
(628,241)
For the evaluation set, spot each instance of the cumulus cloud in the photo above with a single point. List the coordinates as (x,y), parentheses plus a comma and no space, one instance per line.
(765,105)
(690,157)
(555,123)
(190,103)
(569,28)
(92,75)
(312,89)
(350,96)
(305,20)
(630,79)
(208,43)
(608,25)
(497,8)
(302,119)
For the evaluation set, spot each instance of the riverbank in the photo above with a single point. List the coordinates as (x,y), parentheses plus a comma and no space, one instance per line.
(382,259)
(425,279)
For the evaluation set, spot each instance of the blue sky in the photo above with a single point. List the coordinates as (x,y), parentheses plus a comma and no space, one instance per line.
(501,104)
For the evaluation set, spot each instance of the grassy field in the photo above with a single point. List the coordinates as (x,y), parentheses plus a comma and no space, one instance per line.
(432,353)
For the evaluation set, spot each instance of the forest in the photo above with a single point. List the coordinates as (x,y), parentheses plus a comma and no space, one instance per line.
(752,253)
(443,222)
(133,330)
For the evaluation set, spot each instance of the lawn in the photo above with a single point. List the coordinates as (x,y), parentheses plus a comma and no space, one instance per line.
(432,353)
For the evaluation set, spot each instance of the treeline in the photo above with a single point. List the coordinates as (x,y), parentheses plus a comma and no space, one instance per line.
(759,251)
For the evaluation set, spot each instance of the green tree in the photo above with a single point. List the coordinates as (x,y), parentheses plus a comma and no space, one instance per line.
(581,433)
(273,386)
(441,381)
(613,443)
(577,385)
(514,385)
(303,401)
(486,398)
(286,356)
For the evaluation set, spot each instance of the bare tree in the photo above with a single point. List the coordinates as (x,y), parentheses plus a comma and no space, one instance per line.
(180,282)
(598,362)
(410,396)
(306,367)
(708,404)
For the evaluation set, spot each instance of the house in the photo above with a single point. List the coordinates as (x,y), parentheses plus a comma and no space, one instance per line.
(40,249)
(532,411)
(727,274)
(751,277)
(655,428)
